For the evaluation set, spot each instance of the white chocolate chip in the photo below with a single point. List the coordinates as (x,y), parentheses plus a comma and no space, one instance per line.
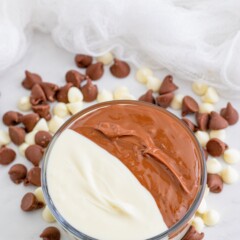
(220,134)
(177,102)
(119,91)
(104,95)
(24,104)
(75,107)
(199,88)
(211,217)
(153,83)
(55,123)
(106,59)
(22,148)
(47,215)
(231,155)
(4,138)
(143,74)
(126,96)
(198,223)
(210,96)
(202,137)
(30,137)
(39,195)
(74,95)
(41,125)
(213,166)
(229,175)
(206,107)
(202,207)
(61,110)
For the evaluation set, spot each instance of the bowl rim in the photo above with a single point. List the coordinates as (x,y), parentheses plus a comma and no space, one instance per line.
(76,233)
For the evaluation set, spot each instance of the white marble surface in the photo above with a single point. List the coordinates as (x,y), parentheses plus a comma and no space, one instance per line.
(52,63)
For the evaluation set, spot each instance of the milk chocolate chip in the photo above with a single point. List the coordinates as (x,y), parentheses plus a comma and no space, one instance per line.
(12,118)
(42,138)
(62,94)
(202,121)
(192,234)
(167,85)
(95,71)
(74,77)
(83,61)
(89,91)
(190,124)
(33,177)
(17,173)
(43,111)
(50,90)
(34,154)
(7,155)
(147,97)
(215,183)
(50,233)
(37,95)
(189,105)
(120,69)
(230,114)
(217,122)
(31,79)
(29,121)
(29,203)
(164,100)
(216,147)
(17,134)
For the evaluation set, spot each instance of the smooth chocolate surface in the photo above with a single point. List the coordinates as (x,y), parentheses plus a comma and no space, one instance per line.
(157,148)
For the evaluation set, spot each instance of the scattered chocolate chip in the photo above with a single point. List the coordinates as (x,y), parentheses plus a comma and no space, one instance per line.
(12,118)
(202,120)
(167,85)
(95,71)
(164,100)
(37,95)
(83,61)
(120,69)
(74,77)
(192,234)
(205,152)
(17,173)
(190,124)
(215,183)
(62,94)
(230,114)
(216,147)
(50,90)
(147,97)
(29,121)
(17,135)
(217,122)
(29,203)
(34,154)
(50,233)
(189,105)
(43,111)
(42,138)
(89,91)
(31,79)
(7,155)
(33,177)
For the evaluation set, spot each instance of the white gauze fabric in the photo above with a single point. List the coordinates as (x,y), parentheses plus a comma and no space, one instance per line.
(195,40)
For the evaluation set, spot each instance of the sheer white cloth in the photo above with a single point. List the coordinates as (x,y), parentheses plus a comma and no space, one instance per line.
(196,40)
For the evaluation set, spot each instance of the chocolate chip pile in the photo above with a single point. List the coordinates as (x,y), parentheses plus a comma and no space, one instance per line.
(51,104)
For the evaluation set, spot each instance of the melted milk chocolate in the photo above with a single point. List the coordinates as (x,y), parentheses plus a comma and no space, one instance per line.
(155,147)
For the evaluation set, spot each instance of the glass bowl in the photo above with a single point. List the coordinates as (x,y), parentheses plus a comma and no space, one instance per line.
(176,231)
